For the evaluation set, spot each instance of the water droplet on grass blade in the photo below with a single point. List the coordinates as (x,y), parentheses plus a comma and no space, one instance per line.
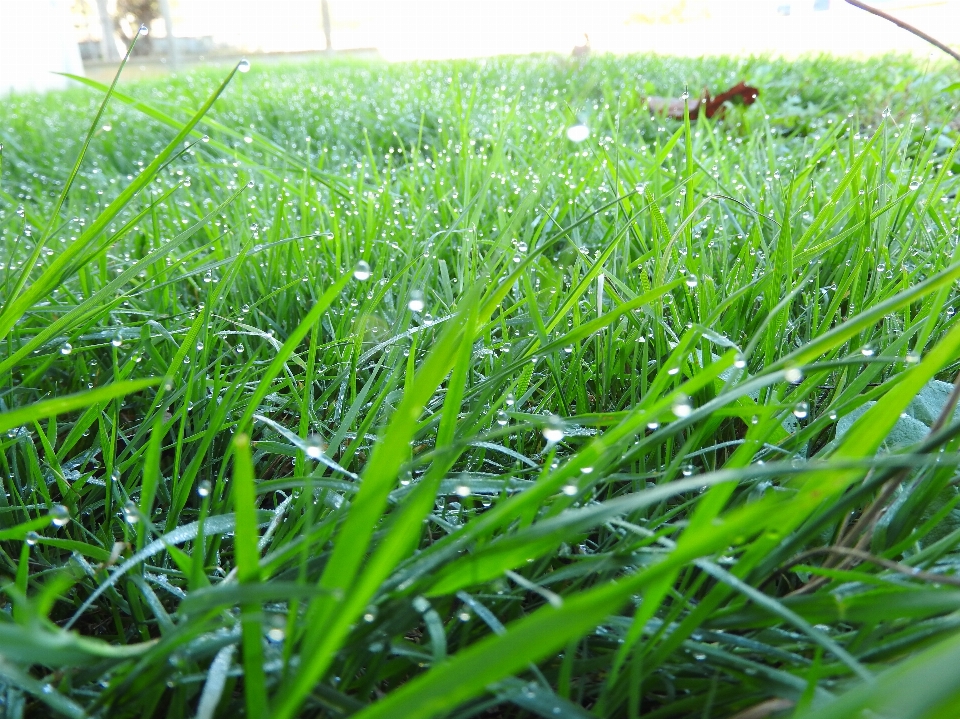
(462,490)
(203,489)
(315,447)
(361,271)
(144,30)
(739,361)
(59,515)
(416,302)
(32,538)
(912,357)
(692,280)
(868,350)
(578,133)
(130,513)
(570,489)
(243,66)
(66,348)
(801,410)
(553,431)
(793,375)
(681,406)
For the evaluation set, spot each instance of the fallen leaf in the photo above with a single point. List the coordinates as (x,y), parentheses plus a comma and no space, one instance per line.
(711,105)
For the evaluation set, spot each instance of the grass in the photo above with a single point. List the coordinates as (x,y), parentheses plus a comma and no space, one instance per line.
(362,390)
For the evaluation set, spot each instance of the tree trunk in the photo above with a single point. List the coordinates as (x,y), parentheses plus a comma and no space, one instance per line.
(108,42)
(325,9)
(172,52)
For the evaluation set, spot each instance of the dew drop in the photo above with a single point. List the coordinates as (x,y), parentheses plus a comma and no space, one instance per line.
(144,30)
(243,65)
(32,538)
(315,447)
(578,133)
(801,410)
(912,357)
(361,271)
(416,302)
(130,513)
(66,348)
(692,280)
(739,361)
(203,489)
(793,375)
(868,350)
(59,515)
(462,490)
(681,406)
(553,431)
(570,489)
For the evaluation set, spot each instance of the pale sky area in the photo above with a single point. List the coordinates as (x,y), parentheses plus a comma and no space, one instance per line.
(413,29)
(36,35)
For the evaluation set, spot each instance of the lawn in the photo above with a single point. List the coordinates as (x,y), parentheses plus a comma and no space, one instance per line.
(353,389)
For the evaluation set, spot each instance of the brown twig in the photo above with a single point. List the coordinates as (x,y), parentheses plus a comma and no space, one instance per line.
(906,26)
(765,709)
(879,561)
(868,520)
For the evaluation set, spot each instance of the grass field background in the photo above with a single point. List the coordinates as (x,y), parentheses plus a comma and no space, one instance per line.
(362,389)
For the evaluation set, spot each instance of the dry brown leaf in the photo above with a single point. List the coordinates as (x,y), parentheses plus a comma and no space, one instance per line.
(711,105)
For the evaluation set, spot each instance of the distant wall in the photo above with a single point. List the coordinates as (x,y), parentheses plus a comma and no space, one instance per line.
(37,39)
